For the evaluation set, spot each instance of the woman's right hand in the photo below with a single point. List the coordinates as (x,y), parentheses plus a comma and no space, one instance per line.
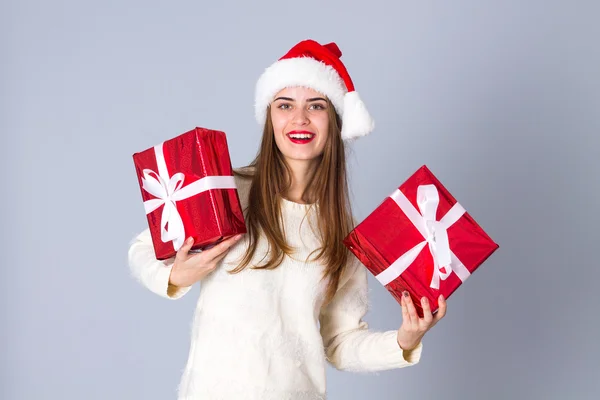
(191,268)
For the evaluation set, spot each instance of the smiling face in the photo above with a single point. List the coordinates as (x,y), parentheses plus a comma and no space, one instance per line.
(300,123)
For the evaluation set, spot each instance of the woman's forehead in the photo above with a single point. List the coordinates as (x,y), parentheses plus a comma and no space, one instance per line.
(299,93)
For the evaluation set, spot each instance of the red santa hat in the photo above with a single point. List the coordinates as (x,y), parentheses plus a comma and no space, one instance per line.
(310,64)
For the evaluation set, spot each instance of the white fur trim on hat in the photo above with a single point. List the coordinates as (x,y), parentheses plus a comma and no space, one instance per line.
(356,120)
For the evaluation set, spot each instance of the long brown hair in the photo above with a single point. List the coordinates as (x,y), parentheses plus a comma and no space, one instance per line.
(271,178)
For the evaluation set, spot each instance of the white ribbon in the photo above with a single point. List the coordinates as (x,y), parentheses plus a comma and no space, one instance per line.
(435,234)
(168,190)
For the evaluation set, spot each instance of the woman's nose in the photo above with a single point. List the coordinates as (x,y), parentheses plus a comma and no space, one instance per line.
(301,117)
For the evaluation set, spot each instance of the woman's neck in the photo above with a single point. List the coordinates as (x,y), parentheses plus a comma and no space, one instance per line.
(302,173)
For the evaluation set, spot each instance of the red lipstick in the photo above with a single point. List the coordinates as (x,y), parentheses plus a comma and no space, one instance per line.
(301,137)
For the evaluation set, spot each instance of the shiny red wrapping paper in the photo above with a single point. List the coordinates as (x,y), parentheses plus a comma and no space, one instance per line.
(387,234)
(209,216)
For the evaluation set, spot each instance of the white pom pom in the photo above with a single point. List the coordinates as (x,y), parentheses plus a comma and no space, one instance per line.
(356,120)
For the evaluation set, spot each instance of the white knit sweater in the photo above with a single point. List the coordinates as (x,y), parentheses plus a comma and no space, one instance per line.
(262,334)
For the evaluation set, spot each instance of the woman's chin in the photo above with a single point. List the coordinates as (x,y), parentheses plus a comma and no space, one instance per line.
(303,157)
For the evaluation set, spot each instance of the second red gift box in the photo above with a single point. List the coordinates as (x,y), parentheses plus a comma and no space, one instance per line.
(420,239)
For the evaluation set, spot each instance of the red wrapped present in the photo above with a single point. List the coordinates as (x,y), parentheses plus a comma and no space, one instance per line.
(420,239)
(188,189)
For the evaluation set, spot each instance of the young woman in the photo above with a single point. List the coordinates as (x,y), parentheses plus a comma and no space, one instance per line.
(278,303)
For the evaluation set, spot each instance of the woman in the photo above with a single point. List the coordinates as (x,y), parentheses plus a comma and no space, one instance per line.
(278,303)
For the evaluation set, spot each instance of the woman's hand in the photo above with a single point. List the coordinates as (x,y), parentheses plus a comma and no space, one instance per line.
(189,269)
(414,328)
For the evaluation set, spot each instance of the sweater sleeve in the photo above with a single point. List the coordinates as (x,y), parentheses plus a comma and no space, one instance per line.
(150,272)
(349,345)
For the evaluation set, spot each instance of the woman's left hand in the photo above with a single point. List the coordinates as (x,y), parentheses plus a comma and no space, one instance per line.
(414,328)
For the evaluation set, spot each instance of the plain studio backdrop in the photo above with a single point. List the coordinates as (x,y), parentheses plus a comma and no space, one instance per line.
(499,98)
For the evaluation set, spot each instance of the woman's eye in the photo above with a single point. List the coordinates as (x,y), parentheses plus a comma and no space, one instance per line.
(284,106)
(317,107)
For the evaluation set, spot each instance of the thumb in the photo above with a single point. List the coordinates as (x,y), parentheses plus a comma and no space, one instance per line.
(187,245)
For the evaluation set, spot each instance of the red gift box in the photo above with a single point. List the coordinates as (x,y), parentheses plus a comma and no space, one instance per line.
(420,239)
(188,189)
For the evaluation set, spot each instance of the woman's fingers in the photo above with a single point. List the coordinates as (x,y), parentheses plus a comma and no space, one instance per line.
(427,316)
(405,315)
(442,308)
(218,258)
(412,311)
(215,253)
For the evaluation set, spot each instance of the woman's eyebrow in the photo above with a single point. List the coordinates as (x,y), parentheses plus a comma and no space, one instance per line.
(290,99)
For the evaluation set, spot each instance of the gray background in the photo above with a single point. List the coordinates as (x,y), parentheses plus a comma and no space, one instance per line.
(499,98)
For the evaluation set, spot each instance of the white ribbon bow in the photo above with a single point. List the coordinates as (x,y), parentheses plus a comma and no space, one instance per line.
(168,190)
(435,234)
